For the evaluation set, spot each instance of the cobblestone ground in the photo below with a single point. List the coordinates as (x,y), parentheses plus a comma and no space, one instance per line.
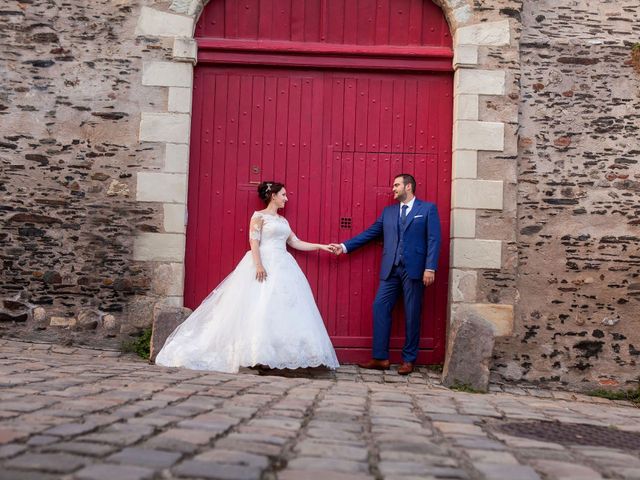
(76,413)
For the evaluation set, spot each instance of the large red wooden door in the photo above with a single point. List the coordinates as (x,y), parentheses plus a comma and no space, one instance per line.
(336,137)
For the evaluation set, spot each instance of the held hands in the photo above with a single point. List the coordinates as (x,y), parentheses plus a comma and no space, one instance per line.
(335,248)
(325,248)
(428,277)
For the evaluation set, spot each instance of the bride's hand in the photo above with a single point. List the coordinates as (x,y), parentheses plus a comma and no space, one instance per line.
(326,248)
(261,273)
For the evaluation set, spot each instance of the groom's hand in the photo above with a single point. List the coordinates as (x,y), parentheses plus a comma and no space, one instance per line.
(428,277)
(336,248)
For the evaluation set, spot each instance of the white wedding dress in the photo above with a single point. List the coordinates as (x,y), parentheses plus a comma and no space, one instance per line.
(244,322)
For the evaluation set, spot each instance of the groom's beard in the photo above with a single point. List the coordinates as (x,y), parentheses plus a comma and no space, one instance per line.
(401,197)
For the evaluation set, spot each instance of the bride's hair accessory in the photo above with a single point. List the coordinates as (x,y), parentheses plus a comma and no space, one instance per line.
(266,189)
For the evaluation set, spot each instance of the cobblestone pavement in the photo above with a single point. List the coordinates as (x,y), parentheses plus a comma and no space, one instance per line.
(76,413)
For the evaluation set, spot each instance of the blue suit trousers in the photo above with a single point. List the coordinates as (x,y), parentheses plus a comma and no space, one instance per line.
(388,292)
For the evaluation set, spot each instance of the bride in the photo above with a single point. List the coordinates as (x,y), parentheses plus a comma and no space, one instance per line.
(263,313)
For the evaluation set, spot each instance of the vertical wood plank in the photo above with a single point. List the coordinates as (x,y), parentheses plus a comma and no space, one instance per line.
(217,181)
(411,114)
(397,136)
(351,15)
(373,112)
(265,20)
(202,215)
(344,268)
(383,11)
(292,176)
(298,18)
(234,171)
(198,130)
(312,21)
(282,120)
(231,20)
(336,20)
(399,22)
(252,138)
(386,115)
(337,112)
(362,117)
(416,22)
(281,29)
(349,125)
(366,22)
(248,18)
(356,291)
(269,129)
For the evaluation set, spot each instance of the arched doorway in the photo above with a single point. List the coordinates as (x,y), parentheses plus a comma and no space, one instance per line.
(333,98)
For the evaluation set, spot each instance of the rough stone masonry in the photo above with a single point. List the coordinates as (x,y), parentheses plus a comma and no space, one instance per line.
(578,274)
(71,98)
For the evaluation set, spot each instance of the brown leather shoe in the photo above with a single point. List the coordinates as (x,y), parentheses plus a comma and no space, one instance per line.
(406,368)
(374,364)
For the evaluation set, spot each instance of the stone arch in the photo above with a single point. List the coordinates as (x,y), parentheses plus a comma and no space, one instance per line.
(485,46)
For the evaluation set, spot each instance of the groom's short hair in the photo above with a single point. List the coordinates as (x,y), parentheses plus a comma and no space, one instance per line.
(408,180)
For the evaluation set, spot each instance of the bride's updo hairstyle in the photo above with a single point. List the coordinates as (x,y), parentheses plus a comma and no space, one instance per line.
(267,189)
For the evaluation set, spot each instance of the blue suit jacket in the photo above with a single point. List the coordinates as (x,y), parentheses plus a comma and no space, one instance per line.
(421,238)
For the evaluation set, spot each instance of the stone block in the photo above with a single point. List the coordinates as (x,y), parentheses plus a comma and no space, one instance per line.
(176,158)
(465,107)
(185,50)
(477,194)
(111,472)
(110,323)
(155,23)
(39,315)
(487,33)
(463,224)
(159,247)
(165,127)
(179,100)
(88,320)
(470,346)
(165,321)
(175,215)
(476,253)
(168,279)
(472,135)
(465,164)
(62,321)
(465,55)
(161,187)
(463,285)
(499,316)
(173,301)
(480,82)
(167,74)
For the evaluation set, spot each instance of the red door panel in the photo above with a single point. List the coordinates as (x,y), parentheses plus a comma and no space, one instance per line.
(335,139)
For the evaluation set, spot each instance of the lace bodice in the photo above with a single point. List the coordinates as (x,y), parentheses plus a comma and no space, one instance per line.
(273,231)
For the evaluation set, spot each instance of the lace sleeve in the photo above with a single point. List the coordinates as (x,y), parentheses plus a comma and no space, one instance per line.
(255,227)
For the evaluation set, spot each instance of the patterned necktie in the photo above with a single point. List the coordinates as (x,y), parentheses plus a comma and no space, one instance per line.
(403,216)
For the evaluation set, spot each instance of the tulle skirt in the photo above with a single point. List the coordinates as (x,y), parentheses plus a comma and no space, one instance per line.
(244,322)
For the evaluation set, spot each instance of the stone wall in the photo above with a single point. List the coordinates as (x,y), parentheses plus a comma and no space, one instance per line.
(70,103)
(578,284)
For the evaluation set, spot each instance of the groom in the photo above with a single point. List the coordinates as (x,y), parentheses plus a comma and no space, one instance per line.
(411,233)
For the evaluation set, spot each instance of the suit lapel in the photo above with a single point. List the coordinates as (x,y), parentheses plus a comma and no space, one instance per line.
(414,211)
(395,211)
